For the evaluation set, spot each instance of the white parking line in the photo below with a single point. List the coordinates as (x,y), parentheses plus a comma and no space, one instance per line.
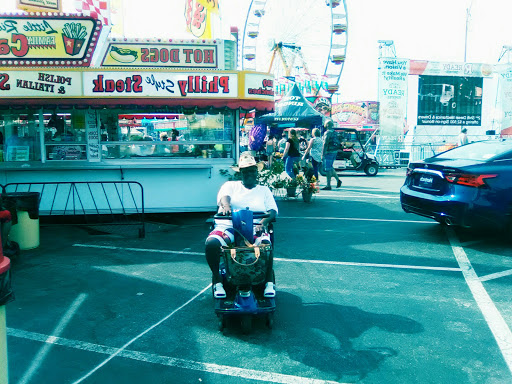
(375,195)
(348,263)
(138,249)
(496,275)
(119,350)
(36,363)
(359,197)
(357,219)
(310,261)
(496,323)
(226,370)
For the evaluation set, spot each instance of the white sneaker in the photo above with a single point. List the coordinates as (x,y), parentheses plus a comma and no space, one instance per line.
(270,290)
(218,291)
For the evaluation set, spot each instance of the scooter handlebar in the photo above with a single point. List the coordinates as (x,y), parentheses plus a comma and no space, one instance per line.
(255,215)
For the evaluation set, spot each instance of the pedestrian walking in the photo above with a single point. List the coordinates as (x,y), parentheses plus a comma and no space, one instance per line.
(291,153)
(329,152)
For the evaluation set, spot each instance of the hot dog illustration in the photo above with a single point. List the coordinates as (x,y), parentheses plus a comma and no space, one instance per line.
(123,55)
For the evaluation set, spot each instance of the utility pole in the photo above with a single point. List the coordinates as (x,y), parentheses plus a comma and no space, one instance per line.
(468,16)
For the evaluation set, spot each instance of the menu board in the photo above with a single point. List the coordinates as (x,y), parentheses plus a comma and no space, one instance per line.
(18,153)
(93,136)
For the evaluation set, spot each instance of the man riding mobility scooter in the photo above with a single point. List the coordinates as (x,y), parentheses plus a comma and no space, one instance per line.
(243,269)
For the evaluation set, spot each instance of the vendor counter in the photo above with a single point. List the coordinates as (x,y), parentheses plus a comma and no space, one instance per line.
(168,185)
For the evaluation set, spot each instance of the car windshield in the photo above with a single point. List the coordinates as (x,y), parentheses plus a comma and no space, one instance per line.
(483,150)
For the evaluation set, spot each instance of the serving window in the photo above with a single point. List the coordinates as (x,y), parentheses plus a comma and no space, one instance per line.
(134,135)
(64,135)
(19,136)
(53,135)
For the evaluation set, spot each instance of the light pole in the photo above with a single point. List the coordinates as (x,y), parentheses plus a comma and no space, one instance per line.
(468,16)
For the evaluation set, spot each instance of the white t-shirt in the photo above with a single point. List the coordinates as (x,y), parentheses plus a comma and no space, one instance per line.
(258,199)
(462,139)
(316,149)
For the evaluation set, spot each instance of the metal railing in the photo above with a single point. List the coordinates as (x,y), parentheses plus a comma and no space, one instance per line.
(109,202)
(401,155)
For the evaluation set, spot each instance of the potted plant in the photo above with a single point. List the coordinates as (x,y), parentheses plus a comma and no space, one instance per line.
(308,187)
(291,187)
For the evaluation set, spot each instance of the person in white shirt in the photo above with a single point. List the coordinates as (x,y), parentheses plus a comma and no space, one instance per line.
(235,195)
(462,139)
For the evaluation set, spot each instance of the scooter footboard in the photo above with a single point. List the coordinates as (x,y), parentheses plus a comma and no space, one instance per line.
(246,265)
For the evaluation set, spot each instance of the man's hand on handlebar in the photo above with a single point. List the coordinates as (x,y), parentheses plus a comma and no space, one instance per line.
(266,220)
(225,209)
(225,206)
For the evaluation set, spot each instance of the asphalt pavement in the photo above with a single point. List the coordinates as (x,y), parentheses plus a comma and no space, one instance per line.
(366,294)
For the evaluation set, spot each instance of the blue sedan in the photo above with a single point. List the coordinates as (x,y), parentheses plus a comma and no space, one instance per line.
(468,186)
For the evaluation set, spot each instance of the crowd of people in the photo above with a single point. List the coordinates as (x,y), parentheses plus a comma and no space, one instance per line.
(305,149)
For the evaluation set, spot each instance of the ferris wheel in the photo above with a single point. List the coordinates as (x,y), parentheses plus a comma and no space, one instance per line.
(303,39)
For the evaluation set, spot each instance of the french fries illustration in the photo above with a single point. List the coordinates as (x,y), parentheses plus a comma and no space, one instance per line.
(73,35)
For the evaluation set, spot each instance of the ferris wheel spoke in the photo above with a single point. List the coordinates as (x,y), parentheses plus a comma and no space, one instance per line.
(298,38)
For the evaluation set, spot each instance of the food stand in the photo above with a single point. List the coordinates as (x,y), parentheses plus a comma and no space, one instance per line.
(63,120)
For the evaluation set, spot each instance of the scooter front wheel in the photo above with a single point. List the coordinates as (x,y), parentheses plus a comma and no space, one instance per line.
(246,322)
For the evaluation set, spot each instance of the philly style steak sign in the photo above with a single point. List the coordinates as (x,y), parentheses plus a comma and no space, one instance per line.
(160,84)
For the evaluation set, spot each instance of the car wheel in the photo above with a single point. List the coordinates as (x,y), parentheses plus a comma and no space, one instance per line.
(371,169)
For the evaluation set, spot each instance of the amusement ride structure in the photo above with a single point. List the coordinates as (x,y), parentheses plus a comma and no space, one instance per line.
(300,40)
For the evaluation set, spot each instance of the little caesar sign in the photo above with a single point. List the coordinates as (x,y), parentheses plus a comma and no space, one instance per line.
(200,55)
(47,41)
(160,84)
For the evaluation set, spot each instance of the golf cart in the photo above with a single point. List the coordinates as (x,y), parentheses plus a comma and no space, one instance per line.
(352,155)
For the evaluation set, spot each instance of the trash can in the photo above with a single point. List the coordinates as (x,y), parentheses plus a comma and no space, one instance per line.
(24,208)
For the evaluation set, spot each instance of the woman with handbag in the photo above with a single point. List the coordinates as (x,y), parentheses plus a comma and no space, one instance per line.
(314,148)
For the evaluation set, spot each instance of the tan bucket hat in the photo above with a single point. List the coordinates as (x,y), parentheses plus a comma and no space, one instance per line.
(247,160)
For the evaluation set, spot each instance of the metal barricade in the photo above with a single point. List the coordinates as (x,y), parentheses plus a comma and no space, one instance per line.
(108,202)
(399,155)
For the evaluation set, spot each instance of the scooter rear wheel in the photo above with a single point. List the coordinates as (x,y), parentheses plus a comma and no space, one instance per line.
(270,320)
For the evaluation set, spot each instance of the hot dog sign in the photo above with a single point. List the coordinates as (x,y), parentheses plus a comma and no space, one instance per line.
(47,41)
(181,54)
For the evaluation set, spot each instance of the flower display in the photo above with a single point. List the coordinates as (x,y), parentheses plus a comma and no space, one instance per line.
(305,184)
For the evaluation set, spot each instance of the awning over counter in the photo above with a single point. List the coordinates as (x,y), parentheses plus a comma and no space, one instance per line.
(136,103)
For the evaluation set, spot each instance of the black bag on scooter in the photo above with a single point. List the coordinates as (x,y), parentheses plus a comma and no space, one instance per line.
(246,265)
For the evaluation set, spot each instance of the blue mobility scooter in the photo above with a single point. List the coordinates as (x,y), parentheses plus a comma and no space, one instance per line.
(243,268)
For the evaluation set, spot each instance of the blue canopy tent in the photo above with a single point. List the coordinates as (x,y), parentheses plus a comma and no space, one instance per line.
(293,108)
